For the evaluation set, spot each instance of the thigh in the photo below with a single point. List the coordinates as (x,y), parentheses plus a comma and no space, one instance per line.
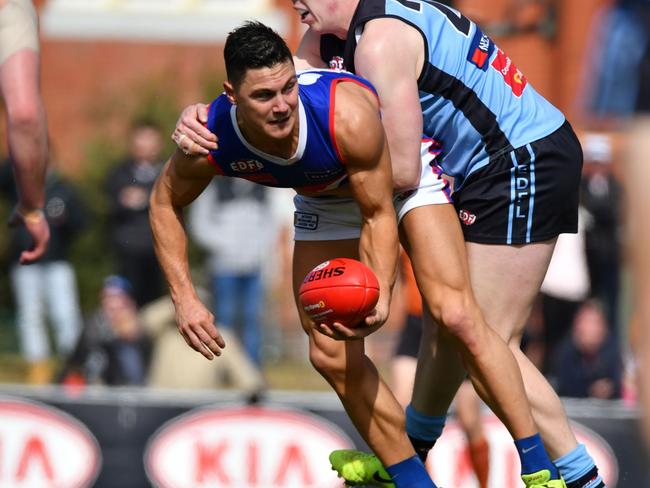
(61,290)
(27,285)
(434,242)
(18,28)
(506,280)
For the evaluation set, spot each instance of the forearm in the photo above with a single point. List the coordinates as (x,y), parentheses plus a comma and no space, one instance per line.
(379,249)
(170,243)
(28,147)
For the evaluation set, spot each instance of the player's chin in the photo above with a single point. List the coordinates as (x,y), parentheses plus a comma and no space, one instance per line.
(280,129)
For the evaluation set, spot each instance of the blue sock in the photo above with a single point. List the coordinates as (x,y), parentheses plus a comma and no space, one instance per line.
(424,427)
(533,456)
(423,430)
(576,464)
(410,473)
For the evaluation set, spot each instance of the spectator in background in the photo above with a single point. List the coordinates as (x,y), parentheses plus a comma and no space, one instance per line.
(233,221)
(128,188)
(189,370)
(601,196)
(26,123)
(113,348)
(48,288)
(621,92)
(588,362)
(564,290)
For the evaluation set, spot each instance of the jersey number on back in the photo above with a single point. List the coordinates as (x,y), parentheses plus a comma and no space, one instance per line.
(458,20)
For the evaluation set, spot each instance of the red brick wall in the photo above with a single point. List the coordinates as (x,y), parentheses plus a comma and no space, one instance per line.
(80,79)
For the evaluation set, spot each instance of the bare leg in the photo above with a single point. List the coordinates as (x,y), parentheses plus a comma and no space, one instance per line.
(402,370)
(366,398)
(468,413)
(520,270)
(443,277)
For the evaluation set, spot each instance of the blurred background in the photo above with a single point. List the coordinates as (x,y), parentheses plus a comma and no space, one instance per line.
(89,332)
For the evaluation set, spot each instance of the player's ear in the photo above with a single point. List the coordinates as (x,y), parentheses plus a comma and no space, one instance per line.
(230,92)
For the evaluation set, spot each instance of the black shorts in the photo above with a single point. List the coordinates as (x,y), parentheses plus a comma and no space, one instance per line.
(526,195)
(409,337)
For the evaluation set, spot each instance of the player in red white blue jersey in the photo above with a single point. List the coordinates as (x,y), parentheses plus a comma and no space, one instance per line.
(321,134)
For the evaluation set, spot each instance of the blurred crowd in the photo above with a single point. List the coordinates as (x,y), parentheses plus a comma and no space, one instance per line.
(129,337)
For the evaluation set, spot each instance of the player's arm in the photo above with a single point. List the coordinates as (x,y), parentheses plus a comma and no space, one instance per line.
(362,145)
(390,54)
(182,179)
(308,53)
(29,172)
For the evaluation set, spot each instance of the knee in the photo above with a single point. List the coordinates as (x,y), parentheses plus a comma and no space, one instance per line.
(25,117)
(459,316)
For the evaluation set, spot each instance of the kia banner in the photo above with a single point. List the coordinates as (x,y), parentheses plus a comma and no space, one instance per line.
(241,447)
(136,438)
(41,446)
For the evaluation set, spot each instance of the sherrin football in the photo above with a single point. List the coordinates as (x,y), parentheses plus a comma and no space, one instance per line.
(339,290)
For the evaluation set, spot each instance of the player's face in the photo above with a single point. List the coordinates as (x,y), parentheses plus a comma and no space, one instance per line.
(320,15)
(267,100)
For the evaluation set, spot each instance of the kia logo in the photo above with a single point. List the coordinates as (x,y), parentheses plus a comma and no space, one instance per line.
(451,465)
(251,447)
(42,447)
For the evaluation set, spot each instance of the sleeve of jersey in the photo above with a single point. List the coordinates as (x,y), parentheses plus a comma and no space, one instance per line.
(211,125)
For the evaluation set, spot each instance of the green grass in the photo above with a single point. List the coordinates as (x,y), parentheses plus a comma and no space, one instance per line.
(282,375)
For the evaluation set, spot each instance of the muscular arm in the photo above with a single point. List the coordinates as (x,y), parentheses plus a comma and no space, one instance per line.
(390,54)
(368,164)
(180,182)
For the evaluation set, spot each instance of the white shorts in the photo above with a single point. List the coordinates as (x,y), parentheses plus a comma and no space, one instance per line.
(18,28)
(333,219)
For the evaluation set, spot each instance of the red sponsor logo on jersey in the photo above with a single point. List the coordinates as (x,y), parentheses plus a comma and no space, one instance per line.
(337,63)
(466,217)
(514,78)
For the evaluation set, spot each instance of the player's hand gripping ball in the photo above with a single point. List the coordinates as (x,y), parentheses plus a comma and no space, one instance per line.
(339,290)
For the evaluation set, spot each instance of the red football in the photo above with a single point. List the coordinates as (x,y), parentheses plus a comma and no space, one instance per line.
(339,290)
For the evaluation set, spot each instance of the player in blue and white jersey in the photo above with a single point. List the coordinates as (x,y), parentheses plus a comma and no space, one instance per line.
(321,134)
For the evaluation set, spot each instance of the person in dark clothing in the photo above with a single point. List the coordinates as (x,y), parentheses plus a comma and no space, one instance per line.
(48,287)
(128,188)
(601,196)
(113,348)
(588,362)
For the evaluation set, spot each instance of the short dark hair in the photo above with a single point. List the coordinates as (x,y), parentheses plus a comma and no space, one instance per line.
(252,46)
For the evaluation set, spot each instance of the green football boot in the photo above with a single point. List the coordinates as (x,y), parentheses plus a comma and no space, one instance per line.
(542,479)
(358,468)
